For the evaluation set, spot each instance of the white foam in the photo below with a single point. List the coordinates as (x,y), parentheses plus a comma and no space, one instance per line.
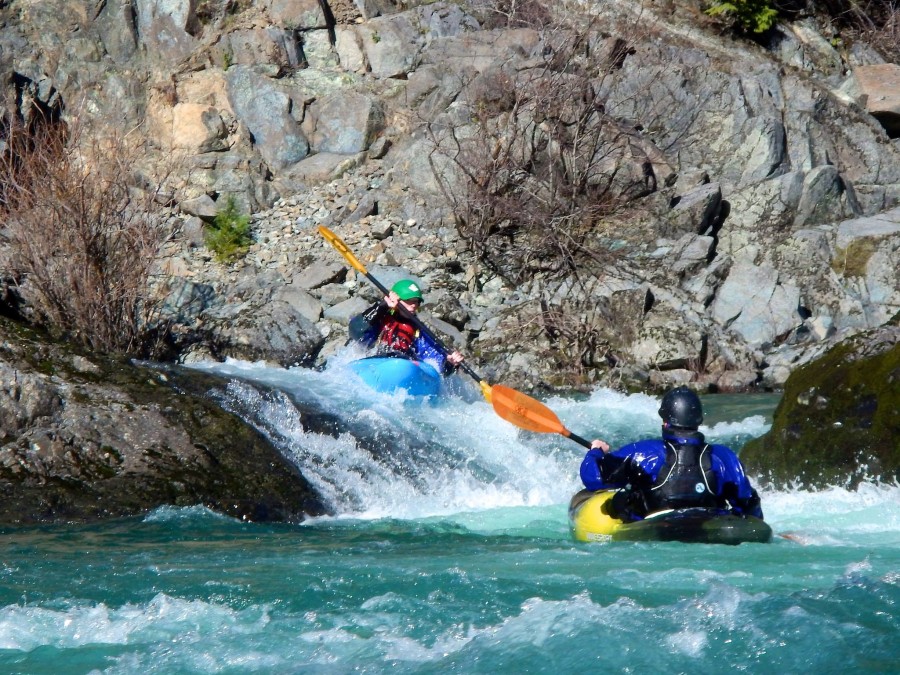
(471,459)
(25,628)
(165,514)
(462,458)
(688,642)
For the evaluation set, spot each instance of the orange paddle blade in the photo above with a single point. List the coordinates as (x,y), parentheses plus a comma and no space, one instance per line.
(525,412)
(341,247)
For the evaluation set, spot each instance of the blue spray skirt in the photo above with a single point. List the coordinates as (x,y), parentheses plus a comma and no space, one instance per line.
(390,373)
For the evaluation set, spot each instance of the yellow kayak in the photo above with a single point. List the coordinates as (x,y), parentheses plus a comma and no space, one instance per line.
(590,522)
(587,518)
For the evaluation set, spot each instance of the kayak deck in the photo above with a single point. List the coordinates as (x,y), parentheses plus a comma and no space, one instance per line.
(391,373)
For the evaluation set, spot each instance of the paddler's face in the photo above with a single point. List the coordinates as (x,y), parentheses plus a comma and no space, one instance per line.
(412,305)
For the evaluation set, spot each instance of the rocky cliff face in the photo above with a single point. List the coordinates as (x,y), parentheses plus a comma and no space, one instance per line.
(757,184)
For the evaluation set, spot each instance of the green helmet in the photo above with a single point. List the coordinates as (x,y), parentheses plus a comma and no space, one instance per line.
(407,290)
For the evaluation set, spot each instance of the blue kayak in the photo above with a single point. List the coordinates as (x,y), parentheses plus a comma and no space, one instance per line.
(390,373)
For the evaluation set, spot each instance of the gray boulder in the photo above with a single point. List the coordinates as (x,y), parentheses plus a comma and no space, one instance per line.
(391,45)
(698,211)
(297,14)
(318,273)
(666,342)
(342,312)
(25,398)
(117,29)
(276,332)
(691,253)
(203,207)
(755,305)
(868,251)
(187,300)
(303,302)
(348,46)
(318,51)
(105,438)
(346,123)
(318,168)
(273,46)
(265,110)
(825,198)
(162,27)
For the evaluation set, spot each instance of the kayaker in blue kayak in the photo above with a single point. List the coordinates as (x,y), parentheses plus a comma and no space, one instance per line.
(383,325)
(679,470)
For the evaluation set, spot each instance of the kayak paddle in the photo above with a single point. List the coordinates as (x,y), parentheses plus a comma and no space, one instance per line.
(341,247)
(513,406)
(529,413)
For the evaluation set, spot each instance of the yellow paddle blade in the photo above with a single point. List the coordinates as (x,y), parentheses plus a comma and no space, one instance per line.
(525,412)
(335,241)
(486,391)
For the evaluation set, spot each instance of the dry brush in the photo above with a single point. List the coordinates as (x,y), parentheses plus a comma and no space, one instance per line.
(83,228)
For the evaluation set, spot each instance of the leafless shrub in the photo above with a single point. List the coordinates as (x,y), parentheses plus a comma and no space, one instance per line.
(875,22)
(882,31)
(81,236)
(576,342)
(541,162)
(575,335)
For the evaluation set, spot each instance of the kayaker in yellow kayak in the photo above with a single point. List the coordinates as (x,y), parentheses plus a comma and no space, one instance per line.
(679,470)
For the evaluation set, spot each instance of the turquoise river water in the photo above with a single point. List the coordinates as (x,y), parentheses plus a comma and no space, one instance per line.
(450,552)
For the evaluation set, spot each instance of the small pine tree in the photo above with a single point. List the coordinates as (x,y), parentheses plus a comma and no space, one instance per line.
(229,235)
(755,16)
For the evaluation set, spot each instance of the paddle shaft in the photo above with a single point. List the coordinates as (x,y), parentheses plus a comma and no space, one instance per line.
(578,439)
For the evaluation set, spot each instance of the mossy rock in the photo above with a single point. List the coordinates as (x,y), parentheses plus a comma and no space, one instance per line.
(838,422)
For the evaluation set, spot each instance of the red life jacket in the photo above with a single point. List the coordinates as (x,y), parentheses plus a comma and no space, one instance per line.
(398,335)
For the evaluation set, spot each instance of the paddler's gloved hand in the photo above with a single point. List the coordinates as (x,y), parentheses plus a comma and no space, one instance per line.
(751,506)
(393,301)
(451,363)
(598,444)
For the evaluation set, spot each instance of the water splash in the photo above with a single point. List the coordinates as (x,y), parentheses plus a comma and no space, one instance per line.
(396,457)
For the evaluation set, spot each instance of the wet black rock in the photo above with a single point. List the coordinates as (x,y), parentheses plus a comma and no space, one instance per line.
(86,437)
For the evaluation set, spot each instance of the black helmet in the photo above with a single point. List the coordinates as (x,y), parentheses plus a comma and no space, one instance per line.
(681,408)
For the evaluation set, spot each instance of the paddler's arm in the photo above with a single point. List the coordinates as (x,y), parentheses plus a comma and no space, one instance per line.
(736,487)
(597,464)
(590,470)
(427,349)
(611,469)
(749,505)
(364,328)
